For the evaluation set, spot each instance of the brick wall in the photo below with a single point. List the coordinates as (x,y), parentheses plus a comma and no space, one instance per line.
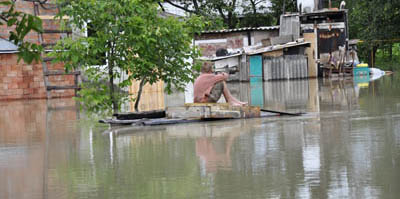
(209,43)
(25,81)
(233,41)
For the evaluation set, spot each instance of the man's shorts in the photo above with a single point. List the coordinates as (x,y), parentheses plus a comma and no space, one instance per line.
(216,92)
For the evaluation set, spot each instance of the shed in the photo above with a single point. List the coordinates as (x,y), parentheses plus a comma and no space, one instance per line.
(327,31)
(234,39)
(234,64)
(287,61)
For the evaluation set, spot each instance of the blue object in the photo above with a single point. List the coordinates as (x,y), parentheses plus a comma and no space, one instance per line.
(256,92)
(361,71)
(256,66)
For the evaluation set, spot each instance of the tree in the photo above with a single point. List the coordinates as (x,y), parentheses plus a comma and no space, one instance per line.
(137,42)
(232,13)
(279,7)
(376,23)
(24,23)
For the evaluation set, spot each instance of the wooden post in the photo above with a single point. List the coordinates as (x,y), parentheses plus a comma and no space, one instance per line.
(372,58)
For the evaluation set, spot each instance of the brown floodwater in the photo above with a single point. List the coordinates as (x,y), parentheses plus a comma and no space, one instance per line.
(347,145)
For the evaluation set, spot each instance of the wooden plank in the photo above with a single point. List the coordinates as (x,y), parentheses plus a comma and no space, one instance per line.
(188,112)
(57,31)
(46,59)
(51,17)
(152,97)
(62,87)
(281,112)
(212,111)
(275,53)
(207,104)
(312,66)
(118,122)
(163,121)
(61,72)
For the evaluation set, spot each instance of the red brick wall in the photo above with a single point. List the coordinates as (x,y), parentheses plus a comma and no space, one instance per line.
(234,41)
(25,81)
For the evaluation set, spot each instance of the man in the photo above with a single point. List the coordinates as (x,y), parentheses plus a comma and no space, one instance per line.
(209,87)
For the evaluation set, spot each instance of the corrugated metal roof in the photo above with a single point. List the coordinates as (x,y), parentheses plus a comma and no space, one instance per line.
(276,47)
(219,58)
(242,29)
(7,46)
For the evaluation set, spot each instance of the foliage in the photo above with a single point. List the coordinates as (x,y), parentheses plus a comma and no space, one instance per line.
(24,23)
(138,45)
(374,22)
(232,13)
(278,6)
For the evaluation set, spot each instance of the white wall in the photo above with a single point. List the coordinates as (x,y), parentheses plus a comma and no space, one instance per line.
(306,3)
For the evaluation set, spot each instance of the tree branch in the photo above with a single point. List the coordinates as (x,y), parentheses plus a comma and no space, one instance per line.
(180,7)
(161,6)
(3,18)
(253,6)
(196,6)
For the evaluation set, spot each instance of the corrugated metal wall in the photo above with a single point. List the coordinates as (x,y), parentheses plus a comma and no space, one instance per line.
(285,67)
(286,94)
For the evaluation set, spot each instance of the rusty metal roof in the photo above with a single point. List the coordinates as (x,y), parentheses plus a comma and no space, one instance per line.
(242,29)
(7,46)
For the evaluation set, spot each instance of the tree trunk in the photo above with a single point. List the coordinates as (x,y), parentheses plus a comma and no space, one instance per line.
(111,76)
(391,52)
(253,6)
(372,56)
(142,83)
(375,48)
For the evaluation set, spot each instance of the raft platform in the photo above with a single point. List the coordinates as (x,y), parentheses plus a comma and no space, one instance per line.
(192,112)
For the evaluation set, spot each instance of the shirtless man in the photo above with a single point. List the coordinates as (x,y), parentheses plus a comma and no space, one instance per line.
(209,87)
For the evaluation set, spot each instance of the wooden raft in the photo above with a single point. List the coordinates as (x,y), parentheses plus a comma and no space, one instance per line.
(212,111)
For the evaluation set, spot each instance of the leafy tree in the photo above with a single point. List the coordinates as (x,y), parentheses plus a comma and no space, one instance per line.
(137,42)
(376,23)
(255,14)
(232,13)
(24,23)
(278,7)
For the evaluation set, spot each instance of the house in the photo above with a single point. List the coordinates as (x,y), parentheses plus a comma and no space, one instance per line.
(19,80)
(327,31)
(269,53)
(234,39)
(279,62)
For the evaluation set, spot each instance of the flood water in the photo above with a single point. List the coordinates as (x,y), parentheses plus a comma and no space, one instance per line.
(347,145)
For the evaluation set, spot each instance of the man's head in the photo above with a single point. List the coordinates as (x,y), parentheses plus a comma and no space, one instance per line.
(207,68)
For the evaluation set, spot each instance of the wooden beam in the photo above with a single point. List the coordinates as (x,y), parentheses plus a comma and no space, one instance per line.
(50,17)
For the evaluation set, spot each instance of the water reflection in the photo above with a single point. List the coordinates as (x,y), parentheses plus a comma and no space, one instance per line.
(25,145)
(347,146)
